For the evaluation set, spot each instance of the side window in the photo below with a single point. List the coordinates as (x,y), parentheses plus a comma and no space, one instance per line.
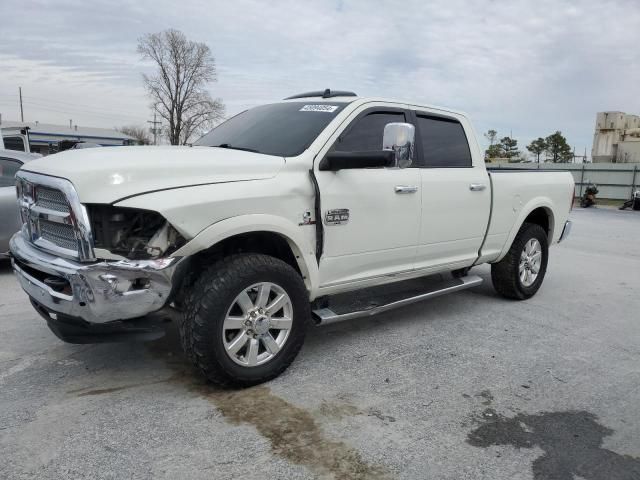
(14,143)
(8,169)
(366,134)
(444,143)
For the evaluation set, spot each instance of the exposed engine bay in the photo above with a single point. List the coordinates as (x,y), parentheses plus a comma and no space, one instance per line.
(133,233)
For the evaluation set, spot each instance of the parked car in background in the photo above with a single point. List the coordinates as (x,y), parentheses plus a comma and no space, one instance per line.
(10,163)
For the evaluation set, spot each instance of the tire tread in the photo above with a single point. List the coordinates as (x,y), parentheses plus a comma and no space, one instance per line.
(504,274)
(218,281)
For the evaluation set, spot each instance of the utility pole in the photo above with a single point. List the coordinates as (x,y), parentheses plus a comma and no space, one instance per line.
(21,110)
(154,129)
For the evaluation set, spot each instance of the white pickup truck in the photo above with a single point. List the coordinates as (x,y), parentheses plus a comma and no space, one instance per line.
(322,207)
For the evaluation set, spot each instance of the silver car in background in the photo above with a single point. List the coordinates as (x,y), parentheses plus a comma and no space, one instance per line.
(10,163)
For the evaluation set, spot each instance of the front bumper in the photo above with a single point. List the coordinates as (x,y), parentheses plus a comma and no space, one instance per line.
(565,231)
(99,292)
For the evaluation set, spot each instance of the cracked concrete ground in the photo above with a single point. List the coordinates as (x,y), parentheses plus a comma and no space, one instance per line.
(462,386)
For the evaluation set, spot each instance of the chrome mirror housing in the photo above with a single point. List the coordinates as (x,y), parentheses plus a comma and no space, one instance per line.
(400,138)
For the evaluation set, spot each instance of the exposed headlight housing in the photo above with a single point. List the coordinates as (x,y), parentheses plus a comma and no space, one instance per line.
(133,233)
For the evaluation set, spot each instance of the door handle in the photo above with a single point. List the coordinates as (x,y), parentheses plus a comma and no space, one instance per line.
(477,187)
(403,189)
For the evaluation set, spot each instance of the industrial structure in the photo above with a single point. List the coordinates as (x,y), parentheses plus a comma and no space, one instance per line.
(616,138)
(44,138)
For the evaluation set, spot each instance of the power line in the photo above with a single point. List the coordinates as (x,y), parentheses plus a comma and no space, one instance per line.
(87,112)
(56,103)
(50,105)
(108,116)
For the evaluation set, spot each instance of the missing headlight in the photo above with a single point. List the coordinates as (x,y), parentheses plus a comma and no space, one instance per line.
(133,233)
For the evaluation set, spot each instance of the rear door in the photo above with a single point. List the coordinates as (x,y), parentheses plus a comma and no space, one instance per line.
(456,195)
(377,227)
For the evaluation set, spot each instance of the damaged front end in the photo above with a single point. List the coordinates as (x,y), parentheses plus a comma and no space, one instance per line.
(119,295)
(132,233)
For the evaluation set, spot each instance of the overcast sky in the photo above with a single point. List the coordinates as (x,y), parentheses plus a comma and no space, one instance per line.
(527,67)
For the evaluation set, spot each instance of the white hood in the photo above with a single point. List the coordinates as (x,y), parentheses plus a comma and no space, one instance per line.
(104,175)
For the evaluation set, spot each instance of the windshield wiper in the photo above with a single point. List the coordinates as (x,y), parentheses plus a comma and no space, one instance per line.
(228,145)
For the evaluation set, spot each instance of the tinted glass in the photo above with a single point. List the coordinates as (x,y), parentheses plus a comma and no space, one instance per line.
(283,129)
(8,169)
(366,135)
(444,143)
(14,143)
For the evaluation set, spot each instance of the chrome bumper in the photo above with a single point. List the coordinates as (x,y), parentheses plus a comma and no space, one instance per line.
(98,292)
(565,231)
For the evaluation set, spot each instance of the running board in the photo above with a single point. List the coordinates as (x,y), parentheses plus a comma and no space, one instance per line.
(325,316)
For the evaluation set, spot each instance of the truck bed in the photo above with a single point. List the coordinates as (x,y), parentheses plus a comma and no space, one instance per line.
(513,192)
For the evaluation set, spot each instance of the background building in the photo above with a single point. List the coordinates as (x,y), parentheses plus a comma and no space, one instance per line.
(44,138)
(616,138)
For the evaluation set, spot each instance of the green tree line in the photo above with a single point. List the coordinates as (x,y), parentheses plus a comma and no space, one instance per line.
(554,146)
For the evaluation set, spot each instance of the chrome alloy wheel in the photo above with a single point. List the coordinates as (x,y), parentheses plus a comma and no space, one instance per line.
(257,324)
(530,261)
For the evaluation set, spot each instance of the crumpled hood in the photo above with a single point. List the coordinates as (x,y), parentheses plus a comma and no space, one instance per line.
(104,175)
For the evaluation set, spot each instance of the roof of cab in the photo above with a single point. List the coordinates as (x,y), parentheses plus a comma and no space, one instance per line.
(343,96)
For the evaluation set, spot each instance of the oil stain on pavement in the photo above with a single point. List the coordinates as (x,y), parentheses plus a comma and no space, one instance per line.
(571,441)
(292,432)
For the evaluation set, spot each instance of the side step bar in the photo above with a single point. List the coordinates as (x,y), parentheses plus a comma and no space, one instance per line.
(325,316)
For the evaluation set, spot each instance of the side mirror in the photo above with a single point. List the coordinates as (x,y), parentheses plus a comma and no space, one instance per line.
(399,138)
(334,161)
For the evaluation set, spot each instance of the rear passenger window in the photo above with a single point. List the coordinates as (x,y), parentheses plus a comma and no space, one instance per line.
(366,134)
(444,143)
(14,143)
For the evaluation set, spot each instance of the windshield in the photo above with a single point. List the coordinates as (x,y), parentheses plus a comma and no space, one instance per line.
(282,129)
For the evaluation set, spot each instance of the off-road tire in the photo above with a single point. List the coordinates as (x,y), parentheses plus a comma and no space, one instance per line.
(208,301)
(505,275)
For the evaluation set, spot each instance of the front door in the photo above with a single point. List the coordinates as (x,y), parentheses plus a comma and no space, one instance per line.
(371,216)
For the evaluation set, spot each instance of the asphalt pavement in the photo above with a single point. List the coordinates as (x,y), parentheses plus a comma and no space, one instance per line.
(465,386)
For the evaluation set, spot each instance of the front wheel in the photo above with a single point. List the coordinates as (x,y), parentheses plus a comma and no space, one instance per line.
(520,273)
(245,319)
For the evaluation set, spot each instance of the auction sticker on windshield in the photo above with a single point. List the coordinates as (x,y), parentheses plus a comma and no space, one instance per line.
(319,108)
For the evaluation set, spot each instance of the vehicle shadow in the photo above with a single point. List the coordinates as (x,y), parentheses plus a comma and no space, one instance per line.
(137,354)
(5,265)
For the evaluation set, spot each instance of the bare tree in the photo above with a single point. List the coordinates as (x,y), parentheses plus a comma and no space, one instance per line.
(204,113)
(178,87)
(139,133)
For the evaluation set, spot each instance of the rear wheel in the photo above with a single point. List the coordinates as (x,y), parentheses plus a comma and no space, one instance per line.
(520,273)
(245,319)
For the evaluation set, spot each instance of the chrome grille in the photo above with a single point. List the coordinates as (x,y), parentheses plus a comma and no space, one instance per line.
(59,234)
(54,219)
(51,199)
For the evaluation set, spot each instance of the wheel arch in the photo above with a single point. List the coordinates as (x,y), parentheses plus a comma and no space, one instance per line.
(538,211)
(267,234)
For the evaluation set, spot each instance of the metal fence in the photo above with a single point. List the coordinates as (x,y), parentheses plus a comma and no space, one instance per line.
(615,180)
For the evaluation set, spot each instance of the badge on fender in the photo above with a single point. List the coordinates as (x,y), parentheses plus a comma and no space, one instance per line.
(338,216)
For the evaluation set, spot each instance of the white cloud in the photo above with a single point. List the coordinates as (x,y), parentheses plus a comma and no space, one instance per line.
(526,67)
